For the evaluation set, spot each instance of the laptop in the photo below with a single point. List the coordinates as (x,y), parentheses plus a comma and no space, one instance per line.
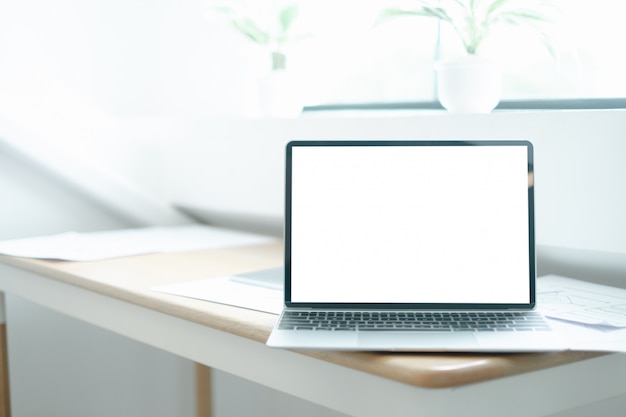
(410,246)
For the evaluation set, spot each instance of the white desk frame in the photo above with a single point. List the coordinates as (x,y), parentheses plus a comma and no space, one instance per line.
(537,393)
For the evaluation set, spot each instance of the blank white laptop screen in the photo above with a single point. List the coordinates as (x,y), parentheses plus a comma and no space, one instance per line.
(428,224)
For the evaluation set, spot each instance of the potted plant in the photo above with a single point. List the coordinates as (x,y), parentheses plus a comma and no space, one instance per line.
(472,83)
(270,27)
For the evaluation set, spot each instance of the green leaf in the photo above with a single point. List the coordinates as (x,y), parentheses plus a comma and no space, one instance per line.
(549,44)
(462,3)
(520,17)
(250,29)
(287,16)
(437,12)
(493,8)
(473,19)
(425,11)
(223,9)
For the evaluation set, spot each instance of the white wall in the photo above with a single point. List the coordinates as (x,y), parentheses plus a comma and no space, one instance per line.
(90,77)
(126,59)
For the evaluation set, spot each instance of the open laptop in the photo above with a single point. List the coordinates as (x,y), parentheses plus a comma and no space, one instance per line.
(410,246)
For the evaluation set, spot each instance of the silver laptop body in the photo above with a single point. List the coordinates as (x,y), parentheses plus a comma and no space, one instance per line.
(410,246)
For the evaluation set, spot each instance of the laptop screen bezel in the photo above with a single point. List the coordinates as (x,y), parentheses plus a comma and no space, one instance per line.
(409,306)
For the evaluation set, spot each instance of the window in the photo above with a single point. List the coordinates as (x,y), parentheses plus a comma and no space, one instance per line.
(351,60)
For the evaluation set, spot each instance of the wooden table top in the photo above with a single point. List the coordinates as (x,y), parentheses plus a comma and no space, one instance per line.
(130,279)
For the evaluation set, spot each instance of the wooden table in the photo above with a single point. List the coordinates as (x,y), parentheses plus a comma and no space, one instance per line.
(115,294)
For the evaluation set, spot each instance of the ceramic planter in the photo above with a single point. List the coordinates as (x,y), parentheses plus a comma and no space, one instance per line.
(278,91)
(468,84)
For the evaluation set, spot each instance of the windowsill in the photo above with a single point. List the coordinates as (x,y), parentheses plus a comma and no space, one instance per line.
(504,105)
(404,113)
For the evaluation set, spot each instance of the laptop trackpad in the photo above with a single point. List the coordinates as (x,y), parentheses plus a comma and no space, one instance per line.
(416,340)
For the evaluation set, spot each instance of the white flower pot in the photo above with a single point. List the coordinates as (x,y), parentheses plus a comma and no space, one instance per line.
(468,84)
(279,96)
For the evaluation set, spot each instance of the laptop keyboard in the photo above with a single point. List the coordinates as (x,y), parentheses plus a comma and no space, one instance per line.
(413,321)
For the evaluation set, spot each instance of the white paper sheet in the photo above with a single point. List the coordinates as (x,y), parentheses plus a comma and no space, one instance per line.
(93,246)
(254,291)
(582,302)
(590,316)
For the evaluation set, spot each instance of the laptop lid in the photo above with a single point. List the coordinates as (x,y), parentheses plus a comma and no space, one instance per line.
(410,225)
